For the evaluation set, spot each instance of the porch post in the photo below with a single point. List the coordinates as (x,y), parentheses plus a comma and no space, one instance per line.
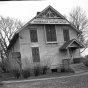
(69,60)
(68,53)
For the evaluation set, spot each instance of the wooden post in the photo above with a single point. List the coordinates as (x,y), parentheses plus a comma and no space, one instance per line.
(68,53)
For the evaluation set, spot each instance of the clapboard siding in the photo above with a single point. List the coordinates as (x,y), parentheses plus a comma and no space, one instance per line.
(15,48)
(48,52)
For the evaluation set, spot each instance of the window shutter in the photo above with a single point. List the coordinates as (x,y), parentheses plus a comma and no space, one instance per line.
(53,32)
(66,34)
(48,34)
(33,35)
(35,54)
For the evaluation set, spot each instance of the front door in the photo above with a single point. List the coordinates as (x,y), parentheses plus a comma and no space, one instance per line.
(71,54)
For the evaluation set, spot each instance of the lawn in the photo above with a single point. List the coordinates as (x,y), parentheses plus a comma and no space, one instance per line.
(9,76)
(73,81)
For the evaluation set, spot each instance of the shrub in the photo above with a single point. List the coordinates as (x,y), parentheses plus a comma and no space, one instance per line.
(26,73)
(3,68)
(44,69)
(85,63)
(16,73)
(76,60)
(67,70)
(4,65)
(62,70)
(36,70)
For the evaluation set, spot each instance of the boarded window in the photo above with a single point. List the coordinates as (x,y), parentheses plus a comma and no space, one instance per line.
(66,34)
(35,54)
(33,35)
(50,33)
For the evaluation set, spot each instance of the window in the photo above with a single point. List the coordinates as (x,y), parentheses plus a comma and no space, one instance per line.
(50,33)
(35,54)
(66,34)
(33,35)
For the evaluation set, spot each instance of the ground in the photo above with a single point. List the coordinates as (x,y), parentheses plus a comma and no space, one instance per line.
(73,81)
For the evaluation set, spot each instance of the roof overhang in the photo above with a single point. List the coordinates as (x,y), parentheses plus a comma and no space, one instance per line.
(55,20)
(71,44)
(13,40)
(48,21)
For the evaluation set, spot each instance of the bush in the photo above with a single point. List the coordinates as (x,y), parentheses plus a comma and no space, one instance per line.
(3,68)
(85,63)
(44,69)
(68,70)
(76,60)
(16,73)
(26,73)
(36,70)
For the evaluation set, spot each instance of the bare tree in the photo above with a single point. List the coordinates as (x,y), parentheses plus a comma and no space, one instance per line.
(8,27)
(79,19)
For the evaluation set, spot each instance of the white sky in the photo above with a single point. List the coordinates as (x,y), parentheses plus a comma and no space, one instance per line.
(26,10)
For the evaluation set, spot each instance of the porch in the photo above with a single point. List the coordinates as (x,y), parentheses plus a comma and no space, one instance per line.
(70,51)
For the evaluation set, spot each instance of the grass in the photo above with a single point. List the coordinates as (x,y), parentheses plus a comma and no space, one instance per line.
(77,81)
(9,76)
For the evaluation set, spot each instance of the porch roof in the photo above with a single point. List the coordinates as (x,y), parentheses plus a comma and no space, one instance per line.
(68,44)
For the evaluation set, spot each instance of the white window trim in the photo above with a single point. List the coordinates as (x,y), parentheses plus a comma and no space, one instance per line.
(52,42)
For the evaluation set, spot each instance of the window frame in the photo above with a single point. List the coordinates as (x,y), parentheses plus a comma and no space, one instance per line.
(50,42)
(68,35)
(30,35)
(33,59)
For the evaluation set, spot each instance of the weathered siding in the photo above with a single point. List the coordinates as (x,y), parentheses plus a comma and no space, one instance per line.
(73,34)
(12,61)
(25,47)
(48,52)
(77,53)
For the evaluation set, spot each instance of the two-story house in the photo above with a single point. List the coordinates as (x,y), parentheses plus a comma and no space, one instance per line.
(49,38)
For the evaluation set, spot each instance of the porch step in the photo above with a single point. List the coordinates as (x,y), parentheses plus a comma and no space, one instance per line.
(80,67)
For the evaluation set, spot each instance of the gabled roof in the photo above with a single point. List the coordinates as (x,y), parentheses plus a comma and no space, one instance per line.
(67,44)
(49,15)
(49,12)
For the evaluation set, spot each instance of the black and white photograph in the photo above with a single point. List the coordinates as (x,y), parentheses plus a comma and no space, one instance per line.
(44,44)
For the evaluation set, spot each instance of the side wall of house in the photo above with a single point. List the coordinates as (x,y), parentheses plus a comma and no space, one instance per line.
(12,61)
(49,53)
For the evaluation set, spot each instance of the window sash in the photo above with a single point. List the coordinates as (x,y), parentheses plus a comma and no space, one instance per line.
(50,33)
(33,36)
(35,54)
(66,34)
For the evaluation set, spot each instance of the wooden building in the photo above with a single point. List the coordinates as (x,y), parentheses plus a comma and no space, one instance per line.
(49,38)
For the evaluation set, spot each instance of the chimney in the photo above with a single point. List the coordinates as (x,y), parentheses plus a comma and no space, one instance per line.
(38,13)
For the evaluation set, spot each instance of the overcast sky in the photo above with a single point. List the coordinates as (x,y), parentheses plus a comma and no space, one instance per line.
(26,10)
